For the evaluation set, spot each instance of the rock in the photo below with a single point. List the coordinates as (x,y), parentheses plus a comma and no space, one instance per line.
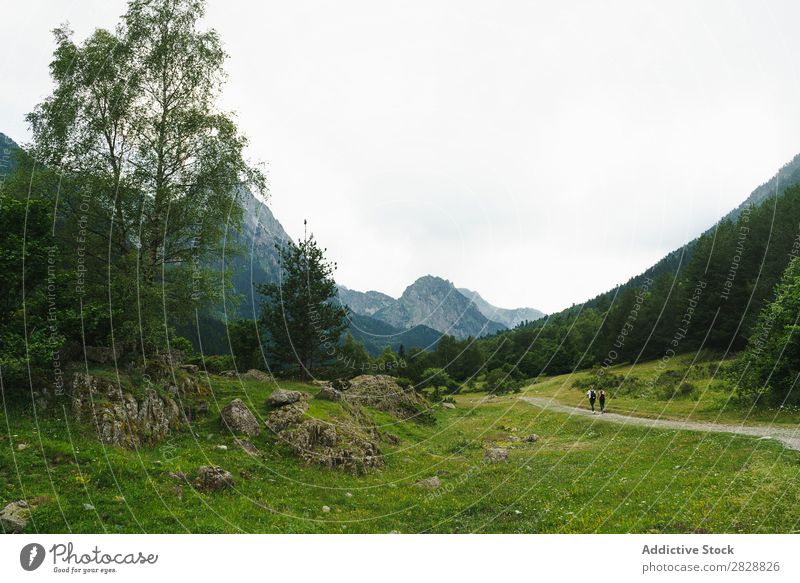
(348,494)
(328,393)
(213,479)
(394,532)
(247,446)
(119,417)
(221,447)
(448,405)
(239,419)
(496,454)
(164,365)
(257,375)
(100,354)
(281,419)
(190,368)
(429,483)
(332,445)
(22,446)
(532,438)
(348,441)
(228,374)
(326,508)
(14,517)
(88,506)
(281,397)
(180,476)
(382,392)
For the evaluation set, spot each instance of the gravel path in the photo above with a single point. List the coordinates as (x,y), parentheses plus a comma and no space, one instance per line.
(789,437)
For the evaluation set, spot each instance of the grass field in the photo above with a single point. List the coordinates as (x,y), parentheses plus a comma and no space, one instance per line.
(637,394)
(578,477)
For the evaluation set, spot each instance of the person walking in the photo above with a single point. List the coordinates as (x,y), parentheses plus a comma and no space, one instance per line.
(592,397)
(602,401)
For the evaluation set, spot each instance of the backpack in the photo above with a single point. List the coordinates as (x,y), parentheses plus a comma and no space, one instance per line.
(590,393)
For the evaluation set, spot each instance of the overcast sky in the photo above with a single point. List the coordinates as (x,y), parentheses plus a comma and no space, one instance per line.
(538,152)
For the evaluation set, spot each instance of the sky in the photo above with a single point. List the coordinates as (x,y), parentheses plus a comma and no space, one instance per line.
(537,152)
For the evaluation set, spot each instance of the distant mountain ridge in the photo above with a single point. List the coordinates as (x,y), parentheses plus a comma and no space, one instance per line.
(364,303)
(7,158)
(509,317)
(257,260)
(437,304)
(376,335)
(428,308)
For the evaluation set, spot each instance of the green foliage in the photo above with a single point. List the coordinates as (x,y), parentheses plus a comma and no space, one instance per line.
(769,368)
(500,381)
(438,378)
(149,169)
(708,299)
(246,348)
(216,363)
(30,338)
(299,313)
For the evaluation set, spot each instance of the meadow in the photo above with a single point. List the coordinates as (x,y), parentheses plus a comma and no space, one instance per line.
(579,476)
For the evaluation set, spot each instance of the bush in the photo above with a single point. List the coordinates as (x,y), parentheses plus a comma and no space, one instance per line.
(404,382)
(216,363)
(683,391)
(439,379)
(500,382)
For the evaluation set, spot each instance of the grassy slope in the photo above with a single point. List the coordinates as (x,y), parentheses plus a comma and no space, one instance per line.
(712,400)
(576,478)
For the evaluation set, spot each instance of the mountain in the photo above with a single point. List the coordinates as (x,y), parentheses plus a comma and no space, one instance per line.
(788,175)
(7,159)
(364,303)
(509,317)
(258,261)
(675,261)
(376,335)
(436,303)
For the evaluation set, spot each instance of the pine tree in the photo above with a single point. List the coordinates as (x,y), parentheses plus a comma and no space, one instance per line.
(300,314)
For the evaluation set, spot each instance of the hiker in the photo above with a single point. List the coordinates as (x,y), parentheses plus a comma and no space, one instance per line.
(602,401)
(592,396)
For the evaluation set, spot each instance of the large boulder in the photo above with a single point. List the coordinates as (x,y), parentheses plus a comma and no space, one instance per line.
(122,418)
(286,416)
(382,392)
(348,441)
(334,444)
(14,517)
(281,397)
(328,393)
(213,479)
(239,419)
(257,375)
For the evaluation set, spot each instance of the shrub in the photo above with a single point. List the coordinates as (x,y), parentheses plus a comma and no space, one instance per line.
(215,363)
(499,382)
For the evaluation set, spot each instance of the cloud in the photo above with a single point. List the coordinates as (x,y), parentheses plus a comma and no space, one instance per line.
(536,152)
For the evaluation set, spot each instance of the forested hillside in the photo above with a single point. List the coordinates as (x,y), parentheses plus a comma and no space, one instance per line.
(710,302)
